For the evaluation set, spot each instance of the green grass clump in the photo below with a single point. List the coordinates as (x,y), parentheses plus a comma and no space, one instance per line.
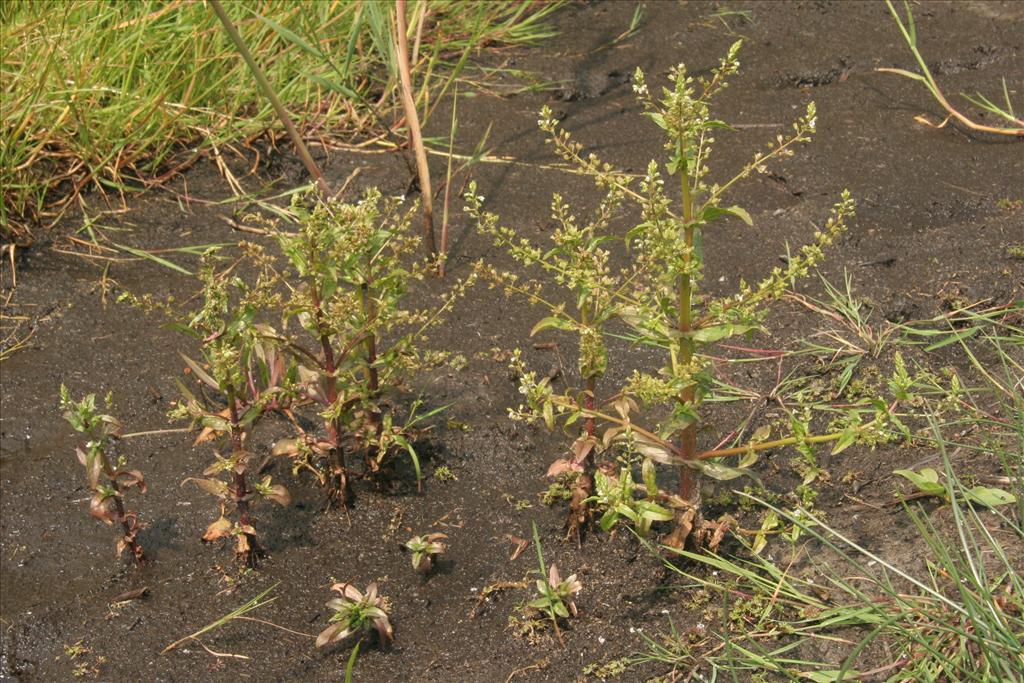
(119,96)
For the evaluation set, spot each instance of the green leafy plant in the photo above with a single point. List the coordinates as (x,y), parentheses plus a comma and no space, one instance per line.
(107,503)
(657,299)
(557,595)
(616,495)
(233,345)
(355,341)
(356,614)
(425,550)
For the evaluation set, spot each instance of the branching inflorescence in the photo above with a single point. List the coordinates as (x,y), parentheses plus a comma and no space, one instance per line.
(656,302)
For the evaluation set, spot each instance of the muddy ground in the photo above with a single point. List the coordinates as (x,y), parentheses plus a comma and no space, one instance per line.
(928,233)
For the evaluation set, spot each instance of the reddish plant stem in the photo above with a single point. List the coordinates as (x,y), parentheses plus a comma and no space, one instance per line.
(372,378)
(238,472)
(129,533)
(240,488)
(336,457)
(119,508)
(688,438)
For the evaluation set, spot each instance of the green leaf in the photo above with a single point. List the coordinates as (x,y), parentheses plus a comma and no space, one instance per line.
(199,372)
(847,439)
(719,332)
(658,119)
(953,338)
(152,257)
(904,72)
(649,477)
(215,422)
(654,451)
(989,497)
(830,676)
(715,123)
(926,481)
(654,512)
(549,415)
(404,443)
(712,212)
(771,522)
(608,519)
(717,470)
(250,415)
(334,85)
(288,35)
(551,321)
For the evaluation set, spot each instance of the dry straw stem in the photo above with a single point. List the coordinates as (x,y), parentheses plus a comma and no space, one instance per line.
(412,120)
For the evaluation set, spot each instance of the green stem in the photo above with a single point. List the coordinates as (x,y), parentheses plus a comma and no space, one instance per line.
(352,662)
(715,453)
(765,445)
(688,438)
(591,380)
(372,378)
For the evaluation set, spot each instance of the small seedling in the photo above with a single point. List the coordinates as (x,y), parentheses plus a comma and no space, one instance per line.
(557,595)
(425,550)
(615,494)
(445,474)
(356,613)
(107,504)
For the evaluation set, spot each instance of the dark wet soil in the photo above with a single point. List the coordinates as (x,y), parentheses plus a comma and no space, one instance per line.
(929,232)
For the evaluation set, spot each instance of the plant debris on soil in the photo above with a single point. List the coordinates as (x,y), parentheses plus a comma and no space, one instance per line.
(935,228)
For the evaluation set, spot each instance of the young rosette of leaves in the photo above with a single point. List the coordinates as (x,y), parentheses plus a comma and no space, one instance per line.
(346,326)
(557,595)
(235,349)
(425,550)
(356,613)
(107,502)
